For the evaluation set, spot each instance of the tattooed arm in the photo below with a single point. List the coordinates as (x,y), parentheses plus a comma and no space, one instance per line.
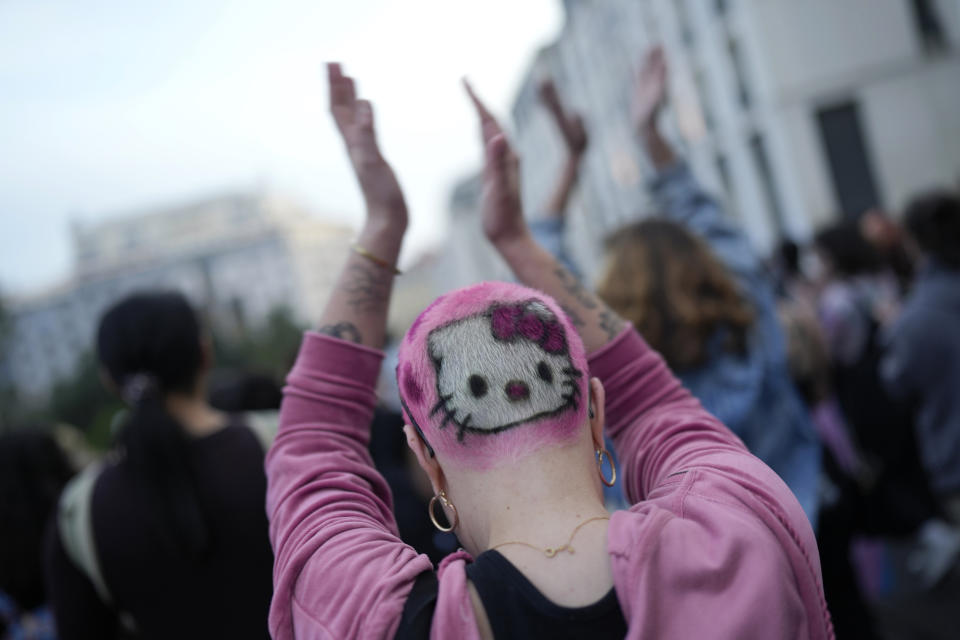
(357,309)
(504,225)
(340,568)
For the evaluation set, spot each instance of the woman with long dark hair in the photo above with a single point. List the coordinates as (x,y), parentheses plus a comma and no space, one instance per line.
(176,542)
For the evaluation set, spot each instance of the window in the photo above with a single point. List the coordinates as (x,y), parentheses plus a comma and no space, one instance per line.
(843,142)
(771,195)
(929,26)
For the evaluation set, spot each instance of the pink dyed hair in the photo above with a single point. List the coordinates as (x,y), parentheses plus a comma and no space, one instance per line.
(504,304)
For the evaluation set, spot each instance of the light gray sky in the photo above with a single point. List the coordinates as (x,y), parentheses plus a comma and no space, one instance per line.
(109,106)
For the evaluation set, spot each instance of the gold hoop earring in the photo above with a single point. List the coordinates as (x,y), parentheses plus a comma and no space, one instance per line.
(446,502)
(601,453)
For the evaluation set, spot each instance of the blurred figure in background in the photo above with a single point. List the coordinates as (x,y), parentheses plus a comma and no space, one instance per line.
(859,299)
(33,470)
(858,293)
(889,241)
(921,365)
(241,391)
(169,538)
(692,285)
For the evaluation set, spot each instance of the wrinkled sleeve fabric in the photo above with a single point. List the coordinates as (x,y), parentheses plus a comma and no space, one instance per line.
(658,427)
(729,532)
(341,570)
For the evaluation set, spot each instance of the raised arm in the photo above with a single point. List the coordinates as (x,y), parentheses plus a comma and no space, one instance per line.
(676,191)
(574,136)
(548,227)
(340,568)
(357,309)
(505,227)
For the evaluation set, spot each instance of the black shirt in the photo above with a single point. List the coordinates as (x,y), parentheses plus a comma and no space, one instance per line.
(514,607)
(226,595)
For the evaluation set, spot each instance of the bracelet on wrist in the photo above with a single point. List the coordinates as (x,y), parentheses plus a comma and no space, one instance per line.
(380,262)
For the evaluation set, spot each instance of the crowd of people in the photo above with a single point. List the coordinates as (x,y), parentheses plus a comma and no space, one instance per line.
(702,443)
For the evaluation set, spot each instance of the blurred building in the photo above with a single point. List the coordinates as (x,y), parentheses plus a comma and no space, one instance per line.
(237,257)
(796,113)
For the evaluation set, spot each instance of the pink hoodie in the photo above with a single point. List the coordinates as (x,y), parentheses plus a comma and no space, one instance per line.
(715,546)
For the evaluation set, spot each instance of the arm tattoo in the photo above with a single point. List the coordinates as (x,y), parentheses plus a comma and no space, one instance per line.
(574,288)
(367,288)
(611,323)
(342,330)
(575,318)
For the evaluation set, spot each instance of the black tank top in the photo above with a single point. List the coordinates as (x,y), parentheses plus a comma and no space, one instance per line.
(515,608)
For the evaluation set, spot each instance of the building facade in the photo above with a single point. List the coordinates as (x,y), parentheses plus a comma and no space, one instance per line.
(236,257)
(794,113)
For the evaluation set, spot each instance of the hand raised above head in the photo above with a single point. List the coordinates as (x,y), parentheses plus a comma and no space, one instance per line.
(502,209)
(650,90)
(570,123)
(354,120)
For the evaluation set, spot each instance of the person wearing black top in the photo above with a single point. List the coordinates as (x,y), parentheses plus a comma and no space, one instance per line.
(177,516)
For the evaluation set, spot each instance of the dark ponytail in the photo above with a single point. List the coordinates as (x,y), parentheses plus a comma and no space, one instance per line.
(150,345)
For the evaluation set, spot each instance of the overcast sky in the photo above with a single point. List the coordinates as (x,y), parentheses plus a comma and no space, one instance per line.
(109,106)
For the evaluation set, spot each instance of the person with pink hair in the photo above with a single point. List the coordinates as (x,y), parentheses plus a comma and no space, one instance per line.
(506,405)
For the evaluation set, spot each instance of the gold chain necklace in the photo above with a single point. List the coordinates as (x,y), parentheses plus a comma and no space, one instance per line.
(550,552)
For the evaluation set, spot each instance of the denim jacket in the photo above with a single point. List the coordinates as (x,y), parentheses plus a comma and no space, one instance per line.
(753,393)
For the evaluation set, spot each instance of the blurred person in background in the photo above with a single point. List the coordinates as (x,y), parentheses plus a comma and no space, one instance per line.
(921,364)
(858,293)
(858,299)
(695,289)
(33,470)
(890,242)
(167,539)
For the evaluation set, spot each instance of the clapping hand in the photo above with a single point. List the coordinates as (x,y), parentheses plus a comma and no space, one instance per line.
(570,124)
(650,91)
(503,220)
(354,119)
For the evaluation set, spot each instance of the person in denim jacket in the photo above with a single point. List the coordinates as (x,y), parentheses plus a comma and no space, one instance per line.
(726,346)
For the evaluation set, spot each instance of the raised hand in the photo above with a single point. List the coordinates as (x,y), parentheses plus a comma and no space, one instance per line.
(650,90)
(502,209)
(354,119)
(505,227)
(357,308)
(570,124)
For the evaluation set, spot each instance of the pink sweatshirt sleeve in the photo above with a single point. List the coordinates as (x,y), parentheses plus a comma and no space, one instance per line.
(717,513)
(340,569)
(657,426)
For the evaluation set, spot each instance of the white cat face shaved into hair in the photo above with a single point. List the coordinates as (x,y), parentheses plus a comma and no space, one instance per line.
(493,372)
(505,378)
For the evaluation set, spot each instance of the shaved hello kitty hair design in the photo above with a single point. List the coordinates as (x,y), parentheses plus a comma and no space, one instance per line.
(492,371)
